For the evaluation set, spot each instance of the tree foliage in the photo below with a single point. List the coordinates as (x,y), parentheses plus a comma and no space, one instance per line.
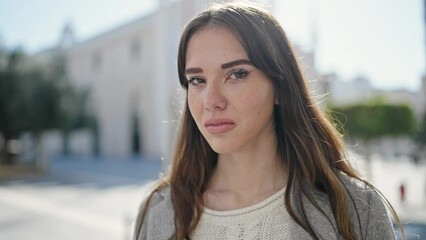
(35,98)
(421,133)
(14,96)
(375,120)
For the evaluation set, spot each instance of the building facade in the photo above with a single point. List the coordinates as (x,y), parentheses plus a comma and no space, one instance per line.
(131,71)
(135,93)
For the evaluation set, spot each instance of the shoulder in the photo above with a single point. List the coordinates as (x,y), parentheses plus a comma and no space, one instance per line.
(160,199)
(364,196)
(368,210)
(159,212)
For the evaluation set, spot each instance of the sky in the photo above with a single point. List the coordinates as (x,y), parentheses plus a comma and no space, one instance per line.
(383,40)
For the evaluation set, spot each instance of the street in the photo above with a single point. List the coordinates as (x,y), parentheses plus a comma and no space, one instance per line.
(98,199)
(77,200)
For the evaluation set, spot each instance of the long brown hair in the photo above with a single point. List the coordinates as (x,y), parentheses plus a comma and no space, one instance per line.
(308,144)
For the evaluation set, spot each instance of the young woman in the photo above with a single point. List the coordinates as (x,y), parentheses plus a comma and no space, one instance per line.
(255,157)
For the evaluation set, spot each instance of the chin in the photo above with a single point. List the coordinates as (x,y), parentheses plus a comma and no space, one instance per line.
(222,147)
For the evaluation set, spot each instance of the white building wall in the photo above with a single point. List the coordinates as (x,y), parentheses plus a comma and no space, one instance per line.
(122,85)
(81,142)
(108,65)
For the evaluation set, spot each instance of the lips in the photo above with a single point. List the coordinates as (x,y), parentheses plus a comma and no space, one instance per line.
(219,126)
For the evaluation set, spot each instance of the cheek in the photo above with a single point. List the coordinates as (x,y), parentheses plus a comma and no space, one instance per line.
(254,100)
(248,96)
(260,104)
(193,104)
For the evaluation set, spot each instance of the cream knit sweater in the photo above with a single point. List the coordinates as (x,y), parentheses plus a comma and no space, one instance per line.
(265,220)
(270,220)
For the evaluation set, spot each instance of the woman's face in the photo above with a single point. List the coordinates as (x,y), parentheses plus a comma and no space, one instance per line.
(230,100)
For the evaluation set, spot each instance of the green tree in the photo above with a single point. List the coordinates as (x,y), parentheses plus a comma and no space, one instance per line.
(12,100)
(35,98)
(75,113)
(421,133)
(374,120)
(369,121)
(420,138)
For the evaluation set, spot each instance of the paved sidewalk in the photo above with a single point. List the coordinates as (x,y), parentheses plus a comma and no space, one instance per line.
(388,177)
(77,200)
(98,199)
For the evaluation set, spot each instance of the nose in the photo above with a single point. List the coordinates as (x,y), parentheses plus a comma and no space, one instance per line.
(214,98)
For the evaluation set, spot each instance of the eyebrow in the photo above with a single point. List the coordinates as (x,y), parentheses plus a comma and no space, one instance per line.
(223,66)
(193,70)
(235,63)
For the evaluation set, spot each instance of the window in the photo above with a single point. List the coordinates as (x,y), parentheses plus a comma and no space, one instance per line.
(135,50)
(96,60)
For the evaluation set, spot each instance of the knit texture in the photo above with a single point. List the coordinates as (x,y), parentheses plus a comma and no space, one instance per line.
(265,220)
(270,220)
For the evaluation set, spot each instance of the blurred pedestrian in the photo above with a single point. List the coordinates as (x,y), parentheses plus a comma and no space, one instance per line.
(402,193)
(255,157)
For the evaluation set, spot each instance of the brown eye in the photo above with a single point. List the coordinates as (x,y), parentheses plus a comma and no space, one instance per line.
(238,74)
(195,81)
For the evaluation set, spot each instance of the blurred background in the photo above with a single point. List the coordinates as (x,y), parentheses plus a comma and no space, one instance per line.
(90,101)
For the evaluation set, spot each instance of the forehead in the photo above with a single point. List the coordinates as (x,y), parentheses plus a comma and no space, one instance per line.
(213,45)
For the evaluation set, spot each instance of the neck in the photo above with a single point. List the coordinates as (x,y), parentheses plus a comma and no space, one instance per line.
(254,171)
(245,177)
